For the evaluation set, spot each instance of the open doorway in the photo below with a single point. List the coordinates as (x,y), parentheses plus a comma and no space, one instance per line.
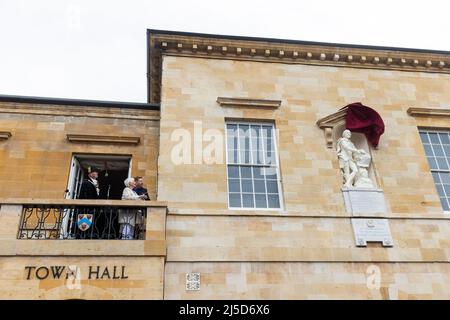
(113,171)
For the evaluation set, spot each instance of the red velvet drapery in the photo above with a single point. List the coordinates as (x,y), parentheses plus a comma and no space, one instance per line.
(361,118)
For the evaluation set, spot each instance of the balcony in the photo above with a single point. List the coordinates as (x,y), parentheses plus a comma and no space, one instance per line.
(75,221)
(82,227)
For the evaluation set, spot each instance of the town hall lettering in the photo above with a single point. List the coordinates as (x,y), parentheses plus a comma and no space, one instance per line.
(64,272)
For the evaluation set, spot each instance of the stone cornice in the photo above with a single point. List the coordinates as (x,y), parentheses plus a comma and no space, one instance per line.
(215,47)
(249,103)
(428,112)
(77,111)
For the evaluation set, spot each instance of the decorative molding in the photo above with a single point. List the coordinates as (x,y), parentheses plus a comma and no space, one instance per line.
(428,112)
(5,135)
(329,122)
(83,138)
(249,103)
(287,52)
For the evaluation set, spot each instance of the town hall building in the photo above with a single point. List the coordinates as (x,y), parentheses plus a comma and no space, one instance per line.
(275,169)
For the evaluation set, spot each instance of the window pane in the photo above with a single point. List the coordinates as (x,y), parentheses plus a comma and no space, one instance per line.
(436,177)
(440,190)
(247,200)
(271,173)
(424,137)
(234,185)
(269,159)
(447,189)
(438,152)
(434,138)
(274,202)
(260,186)
(447,151)
(247,185)
(272,186)
(233,172)
(444,138)
(432,163)
(442,163)
(258,172)
(428,150)
(232,156)
(245,156)
(231,129)
(261,201)
(232,142)
(255,129)
(445,177)
(268,131)
(255,158)
(244,134)
(246,172)
(235,200)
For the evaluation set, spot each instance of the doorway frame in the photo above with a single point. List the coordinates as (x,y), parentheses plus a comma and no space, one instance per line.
(72,179)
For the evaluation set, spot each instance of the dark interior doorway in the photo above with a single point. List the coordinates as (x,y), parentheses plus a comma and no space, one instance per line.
(113,171)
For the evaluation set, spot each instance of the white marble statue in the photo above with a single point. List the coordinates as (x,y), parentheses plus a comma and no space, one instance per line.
(353,163)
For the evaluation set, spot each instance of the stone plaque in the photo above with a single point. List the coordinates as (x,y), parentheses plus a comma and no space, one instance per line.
(192,281)
(364,201)
(372,230)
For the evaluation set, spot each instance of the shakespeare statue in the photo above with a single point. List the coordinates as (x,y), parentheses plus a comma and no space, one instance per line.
(353,163)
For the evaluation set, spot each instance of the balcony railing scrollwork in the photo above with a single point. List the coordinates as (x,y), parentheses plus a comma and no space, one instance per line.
(77,221)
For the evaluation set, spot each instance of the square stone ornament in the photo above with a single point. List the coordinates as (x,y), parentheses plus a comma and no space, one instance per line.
(192,281)
(372,230)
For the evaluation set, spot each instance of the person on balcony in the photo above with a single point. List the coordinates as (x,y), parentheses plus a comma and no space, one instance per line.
(88,222)
(139,189)
(90,188)
(128,218)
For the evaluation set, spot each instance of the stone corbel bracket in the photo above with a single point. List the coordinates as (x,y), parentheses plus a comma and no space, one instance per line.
(5,135)
(248,103)
(86,138)
(328,124)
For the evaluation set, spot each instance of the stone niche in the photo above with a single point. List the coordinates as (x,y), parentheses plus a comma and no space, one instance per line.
(359,201)
(363,199)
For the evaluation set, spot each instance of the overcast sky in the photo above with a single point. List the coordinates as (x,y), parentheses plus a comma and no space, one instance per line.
(96,49)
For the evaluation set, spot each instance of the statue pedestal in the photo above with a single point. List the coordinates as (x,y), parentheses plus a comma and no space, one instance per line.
(364,201)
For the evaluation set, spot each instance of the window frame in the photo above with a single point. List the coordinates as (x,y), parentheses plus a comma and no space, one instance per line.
(277,166)
(428,131)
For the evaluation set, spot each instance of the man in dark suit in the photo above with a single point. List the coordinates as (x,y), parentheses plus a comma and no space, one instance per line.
(139,189)
(90,188)
(89,222)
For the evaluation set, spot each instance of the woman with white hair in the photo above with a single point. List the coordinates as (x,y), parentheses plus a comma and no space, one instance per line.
(128,219)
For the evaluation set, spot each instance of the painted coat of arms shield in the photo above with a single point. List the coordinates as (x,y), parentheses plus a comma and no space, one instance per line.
(84,221)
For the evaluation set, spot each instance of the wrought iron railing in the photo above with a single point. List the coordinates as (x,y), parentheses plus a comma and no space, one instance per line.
(48,221)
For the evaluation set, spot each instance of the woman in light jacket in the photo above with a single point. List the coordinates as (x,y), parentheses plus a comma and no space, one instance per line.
(129,218)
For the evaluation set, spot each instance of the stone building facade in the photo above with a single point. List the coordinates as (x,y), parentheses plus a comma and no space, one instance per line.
(292,240)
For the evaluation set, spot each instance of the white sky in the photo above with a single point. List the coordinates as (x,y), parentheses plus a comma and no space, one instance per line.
(96,49)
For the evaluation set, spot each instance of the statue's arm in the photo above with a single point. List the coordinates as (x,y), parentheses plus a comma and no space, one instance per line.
(349,146)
